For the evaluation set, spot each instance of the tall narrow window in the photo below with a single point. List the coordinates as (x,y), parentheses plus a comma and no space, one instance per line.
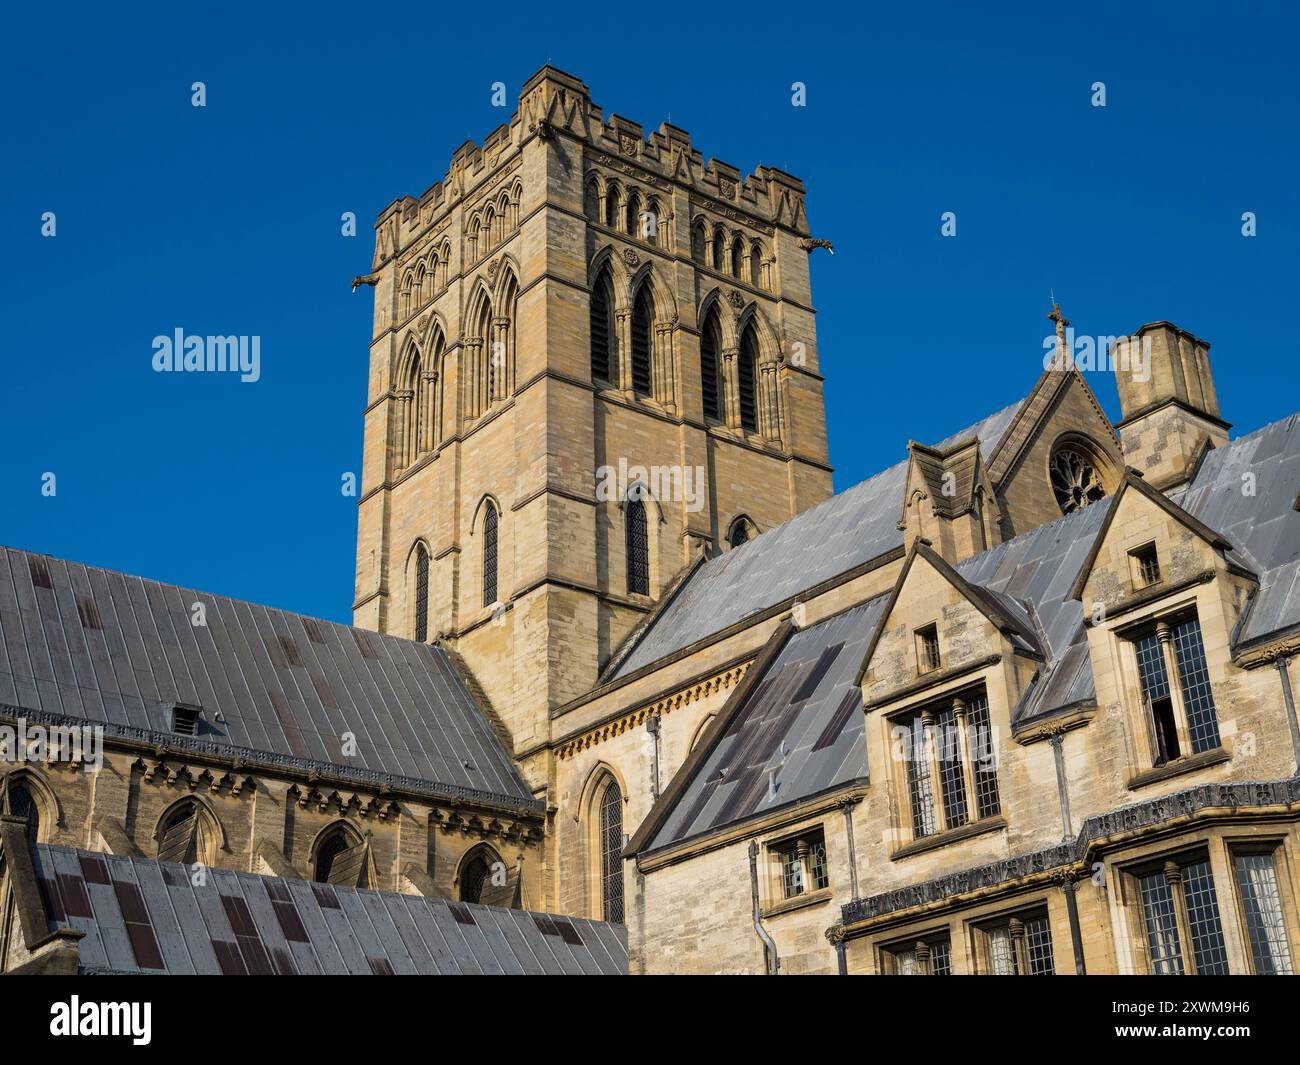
(1187,938)
(699,242)
(611,206)
(21,804)
(927,649)
(983,756)
(611,853)
(719,247)
(638,547)
(632,223)
(474,876)
(490,556)
(738,258)
(919,788)
(421,594)
(643,311)
(602,331)
(1261,905)
(747,371)
(709,379)
(756,266)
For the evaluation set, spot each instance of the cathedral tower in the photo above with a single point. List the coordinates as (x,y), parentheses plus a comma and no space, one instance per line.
(593,360)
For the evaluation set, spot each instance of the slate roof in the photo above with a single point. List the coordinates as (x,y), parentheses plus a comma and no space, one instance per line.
(103,647)
(804,718)
(1264,527)
(148,917)
(847,530)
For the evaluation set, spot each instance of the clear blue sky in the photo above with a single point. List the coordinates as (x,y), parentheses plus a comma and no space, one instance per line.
(226,220)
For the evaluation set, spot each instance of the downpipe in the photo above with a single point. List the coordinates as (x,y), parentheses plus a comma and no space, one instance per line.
(770,958)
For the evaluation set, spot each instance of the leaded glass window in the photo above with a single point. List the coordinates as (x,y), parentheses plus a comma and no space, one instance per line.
(1197,929)
(920,791)
(490,521)
(421,594)
(21,804)
(1261,905)
(611,853)
(638,547)
(1198,699)
(984,759)
(803,866)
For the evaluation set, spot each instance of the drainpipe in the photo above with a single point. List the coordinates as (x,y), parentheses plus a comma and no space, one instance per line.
(770,959)
(853,858)
(1283,671)
(1057,740)
(652,727)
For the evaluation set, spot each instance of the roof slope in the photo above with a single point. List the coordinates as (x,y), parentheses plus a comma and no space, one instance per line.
(143,916)
(802,720)
(1265,526)
(120,651)
(847,530)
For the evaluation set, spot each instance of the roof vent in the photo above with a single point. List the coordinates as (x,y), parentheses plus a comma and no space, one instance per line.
(185,719)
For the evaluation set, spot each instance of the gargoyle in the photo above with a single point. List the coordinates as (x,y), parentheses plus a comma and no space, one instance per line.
(809,243)
(366,279)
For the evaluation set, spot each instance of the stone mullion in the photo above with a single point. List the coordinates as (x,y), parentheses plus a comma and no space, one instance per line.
(623,346)
(1019,947)
(939,809)
(401,416)
(1186,949)
(501,345)
(1165,637)
(967,749)
(665,371)
(427,409)
(731,399)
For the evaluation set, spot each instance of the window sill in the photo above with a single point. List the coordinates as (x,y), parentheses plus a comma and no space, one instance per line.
(1190,764)
(952,835)
(799,902)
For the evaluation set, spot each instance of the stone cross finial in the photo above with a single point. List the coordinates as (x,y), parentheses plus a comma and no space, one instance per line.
(1061,323)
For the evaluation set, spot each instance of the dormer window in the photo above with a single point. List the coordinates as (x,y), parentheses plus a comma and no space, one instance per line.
(927,649)
(185,720)
(1146,566)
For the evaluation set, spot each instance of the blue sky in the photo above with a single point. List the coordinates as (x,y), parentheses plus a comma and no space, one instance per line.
(225,219)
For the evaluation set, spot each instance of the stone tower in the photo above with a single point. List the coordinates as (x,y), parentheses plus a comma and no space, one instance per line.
(1166,393)
(586,343)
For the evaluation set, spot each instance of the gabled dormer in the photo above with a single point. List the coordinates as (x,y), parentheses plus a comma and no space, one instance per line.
(949,500)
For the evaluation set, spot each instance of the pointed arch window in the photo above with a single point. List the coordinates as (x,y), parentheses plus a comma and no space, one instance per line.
(747,373)
(602,328)
(611,206)
(611,853)
(719,248)
(738,258)
(22,804)
(710,381)
(490,520)
(638,545)
(421,594)
(591,201)
(738,533)
(643,311)
(342,858)
(473,877)
(182,836)
(756,266)
(699,243)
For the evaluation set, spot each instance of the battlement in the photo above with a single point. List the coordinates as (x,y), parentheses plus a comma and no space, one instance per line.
(553,103)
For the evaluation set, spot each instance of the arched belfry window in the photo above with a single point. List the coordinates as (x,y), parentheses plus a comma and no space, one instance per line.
(719,247)
(611,206)
(611,853)
(183,835)
(699,243)
(632,221)
(643,312)
(756,266)
(490,521)
(22,804)
(747,379)
(421,593)
(638,543)
(738,257)
(710,378)
(602,329)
